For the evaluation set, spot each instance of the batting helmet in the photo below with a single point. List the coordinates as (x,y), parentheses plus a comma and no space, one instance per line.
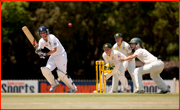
(136,40)
(42,29)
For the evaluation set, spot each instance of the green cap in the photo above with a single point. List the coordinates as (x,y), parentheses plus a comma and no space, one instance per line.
(118,35)
(107,45)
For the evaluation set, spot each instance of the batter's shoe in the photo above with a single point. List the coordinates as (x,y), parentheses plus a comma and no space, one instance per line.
(164,92)
(54,87)
(139,92)
(72,91)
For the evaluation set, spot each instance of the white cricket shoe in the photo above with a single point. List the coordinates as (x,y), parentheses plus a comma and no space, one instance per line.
(98,91)
(127,90)
(95,91)
(139,92)
(112,91)
(54,87)
(164,92)
(72,91)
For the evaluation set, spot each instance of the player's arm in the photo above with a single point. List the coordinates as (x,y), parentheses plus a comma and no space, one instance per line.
(52,51)
(129,54)
(128,58)
(43,55)
(129,51)
(54,45)
(39,51)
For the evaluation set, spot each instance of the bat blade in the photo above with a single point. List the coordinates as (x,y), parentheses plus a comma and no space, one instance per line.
(30,37)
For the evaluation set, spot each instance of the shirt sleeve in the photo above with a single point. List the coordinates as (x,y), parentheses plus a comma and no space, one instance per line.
(54,42)
(137,52)
(114,48)
(105,59)
(41,45)
(128,49)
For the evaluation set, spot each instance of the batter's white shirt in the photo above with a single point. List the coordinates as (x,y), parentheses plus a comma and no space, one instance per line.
(51,43)
(113,58)
(124,48)
(145,56)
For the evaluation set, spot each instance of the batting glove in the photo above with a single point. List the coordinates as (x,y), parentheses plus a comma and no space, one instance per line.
(43,55)
(38,51)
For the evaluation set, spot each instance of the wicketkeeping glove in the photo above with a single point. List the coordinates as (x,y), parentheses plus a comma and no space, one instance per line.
(108,68)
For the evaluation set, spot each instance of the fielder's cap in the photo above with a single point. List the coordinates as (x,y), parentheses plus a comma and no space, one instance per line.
(118,35)
(107,45)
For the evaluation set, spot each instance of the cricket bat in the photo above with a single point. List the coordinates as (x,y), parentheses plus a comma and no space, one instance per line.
(30,37)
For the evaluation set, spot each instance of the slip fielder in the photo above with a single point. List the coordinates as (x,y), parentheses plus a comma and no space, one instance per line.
(125,49)
(152,65)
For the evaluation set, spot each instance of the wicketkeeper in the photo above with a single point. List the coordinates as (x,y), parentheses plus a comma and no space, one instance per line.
(111,57)
(58,58)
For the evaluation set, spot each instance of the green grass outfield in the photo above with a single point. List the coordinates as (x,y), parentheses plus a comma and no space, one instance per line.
(89,101)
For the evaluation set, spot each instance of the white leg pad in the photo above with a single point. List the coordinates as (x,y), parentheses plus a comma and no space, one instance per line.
(64,79)
(72,82)
(48,75)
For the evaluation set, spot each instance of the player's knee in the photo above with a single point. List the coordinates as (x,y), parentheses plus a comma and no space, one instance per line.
(119,73)
(152,76)
(45,71)
(136,71)
(60,74)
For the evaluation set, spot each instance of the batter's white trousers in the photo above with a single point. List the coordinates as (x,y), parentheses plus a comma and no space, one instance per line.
(154,68)
(130,68)
(59,61)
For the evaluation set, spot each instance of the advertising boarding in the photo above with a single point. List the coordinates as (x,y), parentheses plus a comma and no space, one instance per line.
(19,86)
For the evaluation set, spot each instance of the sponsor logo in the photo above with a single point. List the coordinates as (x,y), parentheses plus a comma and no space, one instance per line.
(44,88)
(35,43)
(17,87)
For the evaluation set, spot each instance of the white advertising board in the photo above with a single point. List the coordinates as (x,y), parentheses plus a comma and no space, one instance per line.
(19,86)
(150,86)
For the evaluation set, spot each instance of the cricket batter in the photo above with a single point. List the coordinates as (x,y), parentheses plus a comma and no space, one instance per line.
(152,65)
(58,58)
(125,49)
(111,57)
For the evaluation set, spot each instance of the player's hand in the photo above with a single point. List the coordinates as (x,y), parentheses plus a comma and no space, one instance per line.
(38,51)
(43,55)
(112,67)
(121,59)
